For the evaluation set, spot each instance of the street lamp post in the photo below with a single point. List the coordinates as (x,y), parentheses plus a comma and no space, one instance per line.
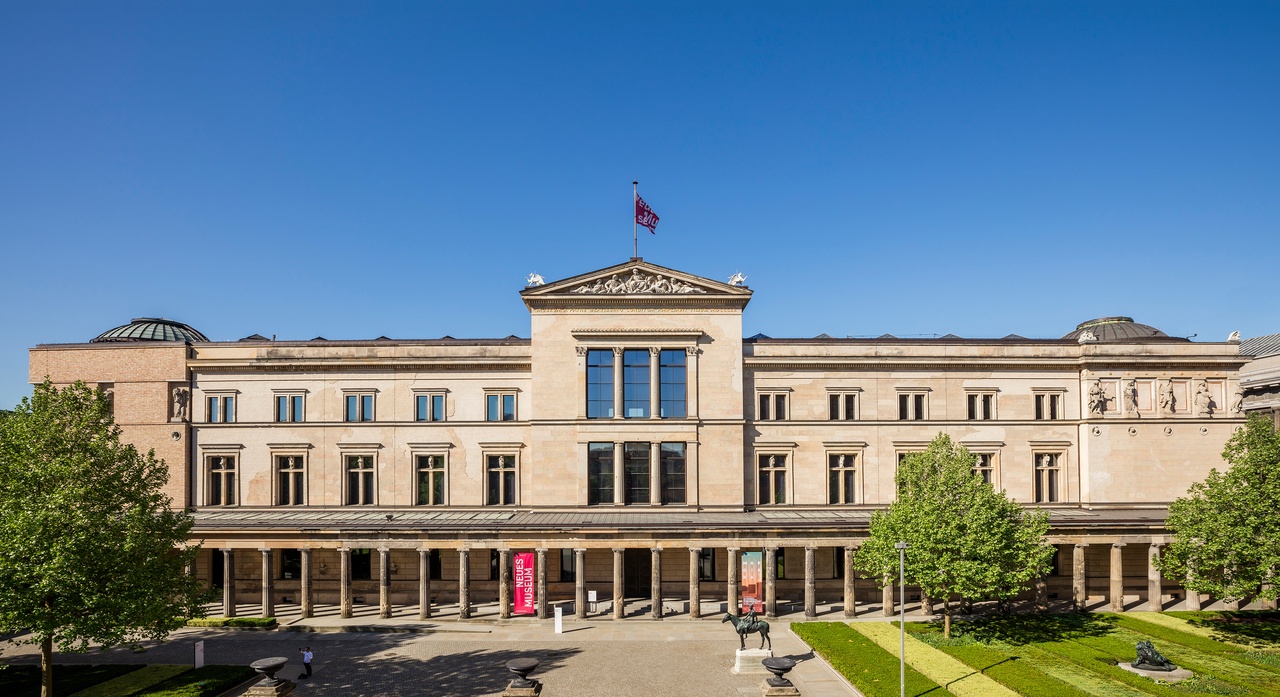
(902,618)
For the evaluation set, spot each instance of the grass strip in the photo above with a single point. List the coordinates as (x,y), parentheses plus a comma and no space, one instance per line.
(1215,665)
(1103,664)
(1259,660)
(134,682)
(870,668)
(1056,666)
(1013,672)
(24,681)
(960,679)
(1254,628)
(201,682)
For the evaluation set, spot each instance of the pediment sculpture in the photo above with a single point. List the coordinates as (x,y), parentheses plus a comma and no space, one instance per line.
(638,282)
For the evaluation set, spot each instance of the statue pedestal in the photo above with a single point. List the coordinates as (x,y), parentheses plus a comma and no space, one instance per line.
(523,691)
(1170,676)
(749,660)
(767,690)
(269,690)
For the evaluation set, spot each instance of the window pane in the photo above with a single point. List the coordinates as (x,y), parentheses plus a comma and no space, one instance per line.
(366,406)
(904,406)
(508,407)
(764,408)
(988,404)
(833,407)
(599,473)
(973,406)
(919,407)
(1040,406)
(213,410)
(229,409)
(491,408)
(764,494)
(780,486)
(850,406)
(1055,403)
(833,486)
(368,487)
(636,464)
(215,489)
(600,384)
(297,408)
(508,486)
(780,407)
(673,384)
(437,487)
(298,484)
(351,408)
(230,491)
(437,407)
(282,408)
(420,408)
(849,486)
(672,458)
(635,380)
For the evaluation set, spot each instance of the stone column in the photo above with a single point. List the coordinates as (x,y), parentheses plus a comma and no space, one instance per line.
(308,608)
(655,474)
(653,382)
(1154,600)
(731,586)
(850,579)
(228,583)
(886,597)
(464,584)
(810,583)
(580,583)
(691,381)
(384,582)
(771,582)
(344,583)
(617,383)
(1193,597)
(617,583)
(619,471)
(504,584)
(1117,578)
(655,582)
(541,582)
(695,592)
(268,585)
(1079,587)
(424,584)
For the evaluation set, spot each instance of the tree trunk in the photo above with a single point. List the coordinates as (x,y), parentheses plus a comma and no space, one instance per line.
(946,617)
(46,667)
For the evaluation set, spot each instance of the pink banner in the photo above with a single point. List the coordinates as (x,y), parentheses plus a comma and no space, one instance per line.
(523,576)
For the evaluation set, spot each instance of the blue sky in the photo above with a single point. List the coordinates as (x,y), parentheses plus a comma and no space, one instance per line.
(358,169)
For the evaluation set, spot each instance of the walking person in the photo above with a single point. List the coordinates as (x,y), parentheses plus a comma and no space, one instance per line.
(306,662)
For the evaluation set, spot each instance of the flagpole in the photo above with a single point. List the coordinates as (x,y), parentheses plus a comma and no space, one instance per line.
(635,240)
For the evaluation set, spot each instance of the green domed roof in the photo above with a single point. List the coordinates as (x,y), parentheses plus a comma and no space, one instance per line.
(1116,329)
(152,329)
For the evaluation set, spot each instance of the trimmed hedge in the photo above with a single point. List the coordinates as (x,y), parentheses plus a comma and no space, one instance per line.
(134,682)
(24,681)
(255,622)
(201,682)
(870,668)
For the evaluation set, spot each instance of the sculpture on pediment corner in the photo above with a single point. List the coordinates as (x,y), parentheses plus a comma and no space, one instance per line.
(1131,397)
(1168,403)
(1086,336)
(1203,400)
(1097,398)
(1234,337)
(636,284)
(1237,400)
(181,403)
(534,279)
(738,279)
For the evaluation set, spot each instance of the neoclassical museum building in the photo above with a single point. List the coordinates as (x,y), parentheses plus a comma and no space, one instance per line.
(637,445)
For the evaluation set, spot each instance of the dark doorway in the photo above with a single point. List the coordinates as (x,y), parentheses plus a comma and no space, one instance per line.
(637,566)
(217,568)
(361,564)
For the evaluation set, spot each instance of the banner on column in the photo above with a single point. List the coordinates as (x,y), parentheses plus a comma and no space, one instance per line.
(752,582)
(523,573)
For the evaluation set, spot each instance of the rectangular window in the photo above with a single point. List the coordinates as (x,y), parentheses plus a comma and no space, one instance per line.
(635,383)
(222,480)
(673,385)
(501,480)
(362,564)
(500,406)
(291,480)
(842,478)
(359,407)
(1047,473)
(982,406)
(706,564)
(428,407)
(635,462)
(837,562)
(495,564)
(1048,406)
(288,408)
(600,384)
(781,562)
(911,406)
(842,406)
(222,409)
(599,473)
(290,563)
(985,467)
(673,473)
(430,480)
(568,571)
(773,406)
(359,480)
(772,480)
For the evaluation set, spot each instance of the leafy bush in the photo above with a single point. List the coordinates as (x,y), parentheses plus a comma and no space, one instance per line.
(24,681)
(133,682)
(870,668)
(260,622)
(201,682)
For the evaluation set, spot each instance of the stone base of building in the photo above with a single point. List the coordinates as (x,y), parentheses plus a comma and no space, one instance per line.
(751,660)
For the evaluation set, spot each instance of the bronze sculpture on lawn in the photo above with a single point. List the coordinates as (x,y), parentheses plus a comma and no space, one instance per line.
(1150,659)
(749,625)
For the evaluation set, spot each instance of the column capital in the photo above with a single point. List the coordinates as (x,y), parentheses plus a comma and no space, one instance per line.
(384,550)
(1117,545)
(772,548)
(733,549)
(227,549)
(616,550)
(656,549)
(695,549)
(577,550)
(811,548)
(540,550)
(1081,545)
(852,547)
(265,550)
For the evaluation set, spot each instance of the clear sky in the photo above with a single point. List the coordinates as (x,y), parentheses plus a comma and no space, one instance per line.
(357,169)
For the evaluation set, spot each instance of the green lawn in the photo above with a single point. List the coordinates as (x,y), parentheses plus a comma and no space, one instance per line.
(870,668)
(24,680)
(1076,655)
(202,682)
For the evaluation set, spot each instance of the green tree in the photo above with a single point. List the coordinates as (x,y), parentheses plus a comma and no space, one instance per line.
(1227,528)
(90,550)
(964,538)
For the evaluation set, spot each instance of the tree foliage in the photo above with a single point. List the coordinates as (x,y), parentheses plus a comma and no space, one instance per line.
(964,538)
(90,550)
(1227,528)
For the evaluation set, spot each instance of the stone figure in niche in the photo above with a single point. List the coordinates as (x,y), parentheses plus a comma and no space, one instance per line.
(1131,397)
(1167,401)
(1237,401)
(1150,659)
(181,401)
(1203,401)
(109,395)
(1097,398)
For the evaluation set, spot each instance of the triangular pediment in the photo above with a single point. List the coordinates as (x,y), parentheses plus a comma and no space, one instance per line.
(636,277)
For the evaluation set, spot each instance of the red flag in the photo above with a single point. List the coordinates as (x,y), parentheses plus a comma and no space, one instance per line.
(645,215)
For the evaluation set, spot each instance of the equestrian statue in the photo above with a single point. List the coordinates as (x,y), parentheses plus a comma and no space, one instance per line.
(749,624)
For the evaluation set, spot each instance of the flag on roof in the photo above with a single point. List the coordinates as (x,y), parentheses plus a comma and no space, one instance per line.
(645,215)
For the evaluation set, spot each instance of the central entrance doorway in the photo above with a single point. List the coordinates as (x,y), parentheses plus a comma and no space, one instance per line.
(637,567)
